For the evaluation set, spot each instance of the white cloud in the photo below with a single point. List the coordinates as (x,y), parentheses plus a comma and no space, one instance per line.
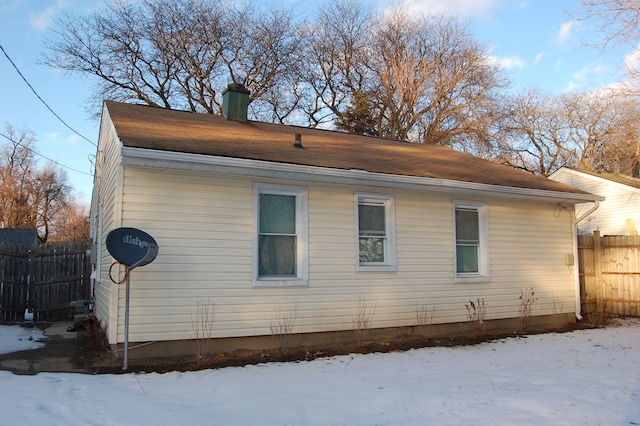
(507,63)
(571,87)
(566,31)
(520,5)
(42,20)
(559,63)
(52,137)
(588,77)
(632,60)
(73,139)
(10,4)
(461,7)
(538,58)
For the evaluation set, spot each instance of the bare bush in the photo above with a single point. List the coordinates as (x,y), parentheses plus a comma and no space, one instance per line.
(477,313)
(202,320)
(281,327)
(556,305)
(527,300)
(424,315)
(362,322)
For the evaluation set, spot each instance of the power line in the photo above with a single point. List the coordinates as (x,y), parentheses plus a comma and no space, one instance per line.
(46,158)
(42,100)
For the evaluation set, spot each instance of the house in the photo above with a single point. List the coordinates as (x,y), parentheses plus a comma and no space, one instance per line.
(19,237)
(619,213)
(318,229)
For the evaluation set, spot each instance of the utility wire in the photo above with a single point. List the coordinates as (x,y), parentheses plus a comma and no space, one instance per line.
(46,158)
(42,100)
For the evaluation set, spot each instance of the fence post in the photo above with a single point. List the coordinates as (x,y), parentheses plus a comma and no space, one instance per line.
(597,269)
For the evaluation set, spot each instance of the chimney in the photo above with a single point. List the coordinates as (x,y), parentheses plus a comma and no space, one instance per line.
(235,100)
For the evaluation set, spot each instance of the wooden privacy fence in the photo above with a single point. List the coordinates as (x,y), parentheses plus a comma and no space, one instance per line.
(610,274)
(43,280)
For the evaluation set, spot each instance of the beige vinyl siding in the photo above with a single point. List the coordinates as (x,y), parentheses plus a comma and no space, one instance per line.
(106,197)
(533,254)
(622,202)
(203,224)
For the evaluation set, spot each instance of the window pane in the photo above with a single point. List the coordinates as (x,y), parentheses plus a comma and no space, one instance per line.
(371,219)
(467,226)
(277,254)
(277,214)
(467,258)
(371,250)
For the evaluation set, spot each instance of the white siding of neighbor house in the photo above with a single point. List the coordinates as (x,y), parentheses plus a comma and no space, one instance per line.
(203,224)
(622,202)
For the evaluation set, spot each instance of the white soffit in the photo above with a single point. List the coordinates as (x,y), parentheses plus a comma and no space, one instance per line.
(158,159)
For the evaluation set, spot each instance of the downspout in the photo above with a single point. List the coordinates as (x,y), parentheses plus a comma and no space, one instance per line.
(576,269)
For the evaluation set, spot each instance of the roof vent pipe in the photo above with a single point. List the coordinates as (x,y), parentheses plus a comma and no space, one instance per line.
(298,141)
(235,101)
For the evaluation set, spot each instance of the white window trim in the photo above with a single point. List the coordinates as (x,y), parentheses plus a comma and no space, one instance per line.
(390,264)
(302,235)
(484,270)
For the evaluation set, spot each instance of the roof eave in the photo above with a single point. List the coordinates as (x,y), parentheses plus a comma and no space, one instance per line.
(599,178)
(141,157)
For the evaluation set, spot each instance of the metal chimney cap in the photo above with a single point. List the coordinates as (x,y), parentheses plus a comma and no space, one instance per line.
(236,87)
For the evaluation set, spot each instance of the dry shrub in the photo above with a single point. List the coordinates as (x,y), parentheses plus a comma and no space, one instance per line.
(598,319)
(362,322)
(202,326)
(281,327)
(477,313)
(93,333)
(424,315)
(527,300)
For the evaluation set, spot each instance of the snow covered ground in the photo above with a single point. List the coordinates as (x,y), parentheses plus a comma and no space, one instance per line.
(589,377)
(15,338)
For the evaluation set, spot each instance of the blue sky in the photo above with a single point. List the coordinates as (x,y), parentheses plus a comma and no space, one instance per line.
(537,41)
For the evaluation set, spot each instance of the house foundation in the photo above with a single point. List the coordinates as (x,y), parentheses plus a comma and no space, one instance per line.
(295,346)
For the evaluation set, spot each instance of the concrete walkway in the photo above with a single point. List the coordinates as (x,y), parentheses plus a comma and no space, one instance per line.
(56,356)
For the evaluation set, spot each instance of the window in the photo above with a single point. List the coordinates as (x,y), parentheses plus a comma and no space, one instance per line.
(472,247)
(376,232)
(280,236)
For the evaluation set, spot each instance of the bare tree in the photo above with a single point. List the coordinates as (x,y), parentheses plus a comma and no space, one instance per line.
(602,128)
(595,131)
(29,197)
(535,133)
(438,85)
(50,195)
(70,224)
(177,54)
(618,23)
(17,173)
(335,71)
(401,76)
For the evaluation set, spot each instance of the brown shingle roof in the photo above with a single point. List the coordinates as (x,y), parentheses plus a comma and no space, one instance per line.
(147,127)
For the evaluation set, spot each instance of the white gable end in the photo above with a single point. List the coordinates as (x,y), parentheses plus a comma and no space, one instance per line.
(618,214)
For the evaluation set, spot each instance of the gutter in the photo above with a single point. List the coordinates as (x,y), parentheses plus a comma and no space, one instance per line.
(141,157)
(576,270)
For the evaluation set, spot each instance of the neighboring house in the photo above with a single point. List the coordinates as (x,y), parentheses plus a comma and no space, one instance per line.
(265,221)
(619,213)
(19,237)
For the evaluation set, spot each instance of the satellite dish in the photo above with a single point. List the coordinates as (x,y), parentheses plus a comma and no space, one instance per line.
(132,247)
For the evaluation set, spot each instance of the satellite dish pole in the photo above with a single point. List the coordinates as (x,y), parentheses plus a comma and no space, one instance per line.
(133,248)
